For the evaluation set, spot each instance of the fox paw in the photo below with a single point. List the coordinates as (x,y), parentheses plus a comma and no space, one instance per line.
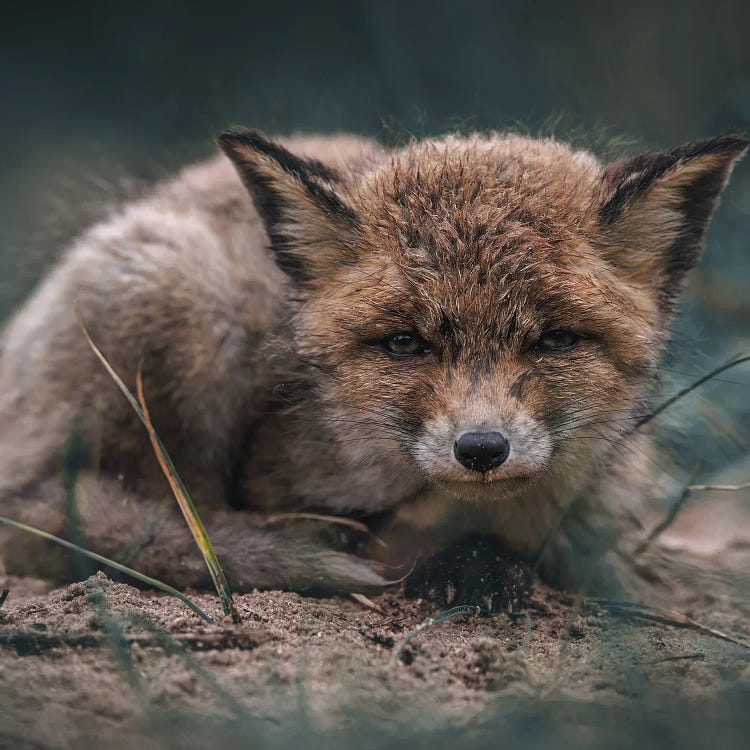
(474,572)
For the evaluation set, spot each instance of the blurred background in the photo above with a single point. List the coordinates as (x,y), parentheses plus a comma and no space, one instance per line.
(98,97)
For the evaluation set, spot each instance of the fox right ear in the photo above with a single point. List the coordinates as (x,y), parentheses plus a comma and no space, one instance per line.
(298,200)
(657,207)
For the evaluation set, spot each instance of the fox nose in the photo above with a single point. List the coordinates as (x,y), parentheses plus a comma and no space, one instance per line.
(481,451)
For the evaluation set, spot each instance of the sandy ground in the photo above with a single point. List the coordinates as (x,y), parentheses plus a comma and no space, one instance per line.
(102,664)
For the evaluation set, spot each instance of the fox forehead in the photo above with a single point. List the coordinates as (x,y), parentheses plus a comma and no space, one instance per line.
(540,183)
(485,238)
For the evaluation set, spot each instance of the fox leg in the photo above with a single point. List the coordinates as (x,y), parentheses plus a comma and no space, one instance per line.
(151,537)
(473,571)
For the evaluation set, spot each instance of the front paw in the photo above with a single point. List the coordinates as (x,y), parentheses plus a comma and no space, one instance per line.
(474,572)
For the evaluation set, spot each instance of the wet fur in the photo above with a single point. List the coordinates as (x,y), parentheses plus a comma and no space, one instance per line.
(256,304)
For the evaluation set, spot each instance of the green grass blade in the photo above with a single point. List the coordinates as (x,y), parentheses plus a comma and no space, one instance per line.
(165,587)
(463,609)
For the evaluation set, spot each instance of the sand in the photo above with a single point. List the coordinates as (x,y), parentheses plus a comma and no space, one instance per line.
(100,663)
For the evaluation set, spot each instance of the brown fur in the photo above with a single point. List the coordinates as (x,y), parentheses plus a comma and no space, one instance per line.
(258,319)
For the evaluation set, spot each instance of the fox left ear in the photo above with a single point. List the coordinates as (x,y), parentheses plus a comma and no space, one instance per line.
(297,199)
(657,206)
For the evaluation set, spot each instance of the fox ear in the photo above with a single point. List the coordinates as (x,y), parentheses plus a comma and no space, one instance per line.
(296,198)
(657,206)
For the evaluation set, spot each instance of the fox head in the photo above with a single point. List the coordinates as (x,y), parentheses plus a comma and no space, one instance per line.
(485,311)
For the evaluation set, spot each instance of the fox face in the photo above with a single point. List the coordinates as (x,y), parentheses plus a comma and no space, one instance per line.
(484,312)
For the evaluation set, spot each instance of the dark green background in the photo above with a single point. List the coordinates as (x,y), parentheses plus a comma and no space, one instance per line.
(93,92)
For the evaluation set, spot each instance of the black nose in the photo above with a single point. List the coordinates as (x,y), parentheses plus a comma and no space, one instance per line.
(481,451)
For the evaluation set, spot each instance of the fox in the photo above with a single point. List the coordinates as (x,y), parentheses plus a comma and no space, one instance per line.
(348,348)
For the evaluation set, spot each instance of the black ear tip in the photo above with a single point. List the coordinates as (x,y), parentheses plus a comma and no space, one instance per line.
(736,143)
(229,140)
(228,136)
(731,145)
(739,142)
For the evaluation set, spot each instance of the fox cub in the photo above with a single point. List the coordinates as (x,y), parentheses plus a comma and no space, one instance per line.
(453,337)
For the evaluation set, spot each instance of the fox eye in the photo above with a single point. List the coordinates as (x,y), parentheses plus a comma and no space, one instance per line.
(557,341)
(405,344)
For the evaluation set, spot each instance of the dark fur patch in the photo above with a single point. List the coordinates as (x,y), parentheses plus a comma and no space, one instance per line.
(476,572)
(517,386)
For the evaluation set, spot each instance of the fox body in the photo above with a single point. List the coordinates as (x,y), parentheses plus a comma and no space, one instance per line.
(459,334)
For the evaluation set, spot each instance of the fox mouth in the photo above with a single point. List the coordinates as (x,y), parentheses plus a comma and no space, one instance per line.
(484,486)
(501,481)
(490,478)
(498,477)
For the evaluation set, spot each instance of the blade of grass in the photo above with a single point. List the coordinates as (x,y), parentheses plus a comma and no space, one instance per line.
(562,653)
(76,459)
(165,587)
(688,389)
(665,617)
(674,511)
(179,490)
(719,487)
(188,509)
(463,609)
(365,601)
(340,520)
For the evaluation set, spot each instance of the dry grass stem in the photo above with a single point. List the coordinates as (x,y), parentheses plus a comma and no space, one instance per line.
(181,494)
(340,520)
(664,616)
(166,588)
